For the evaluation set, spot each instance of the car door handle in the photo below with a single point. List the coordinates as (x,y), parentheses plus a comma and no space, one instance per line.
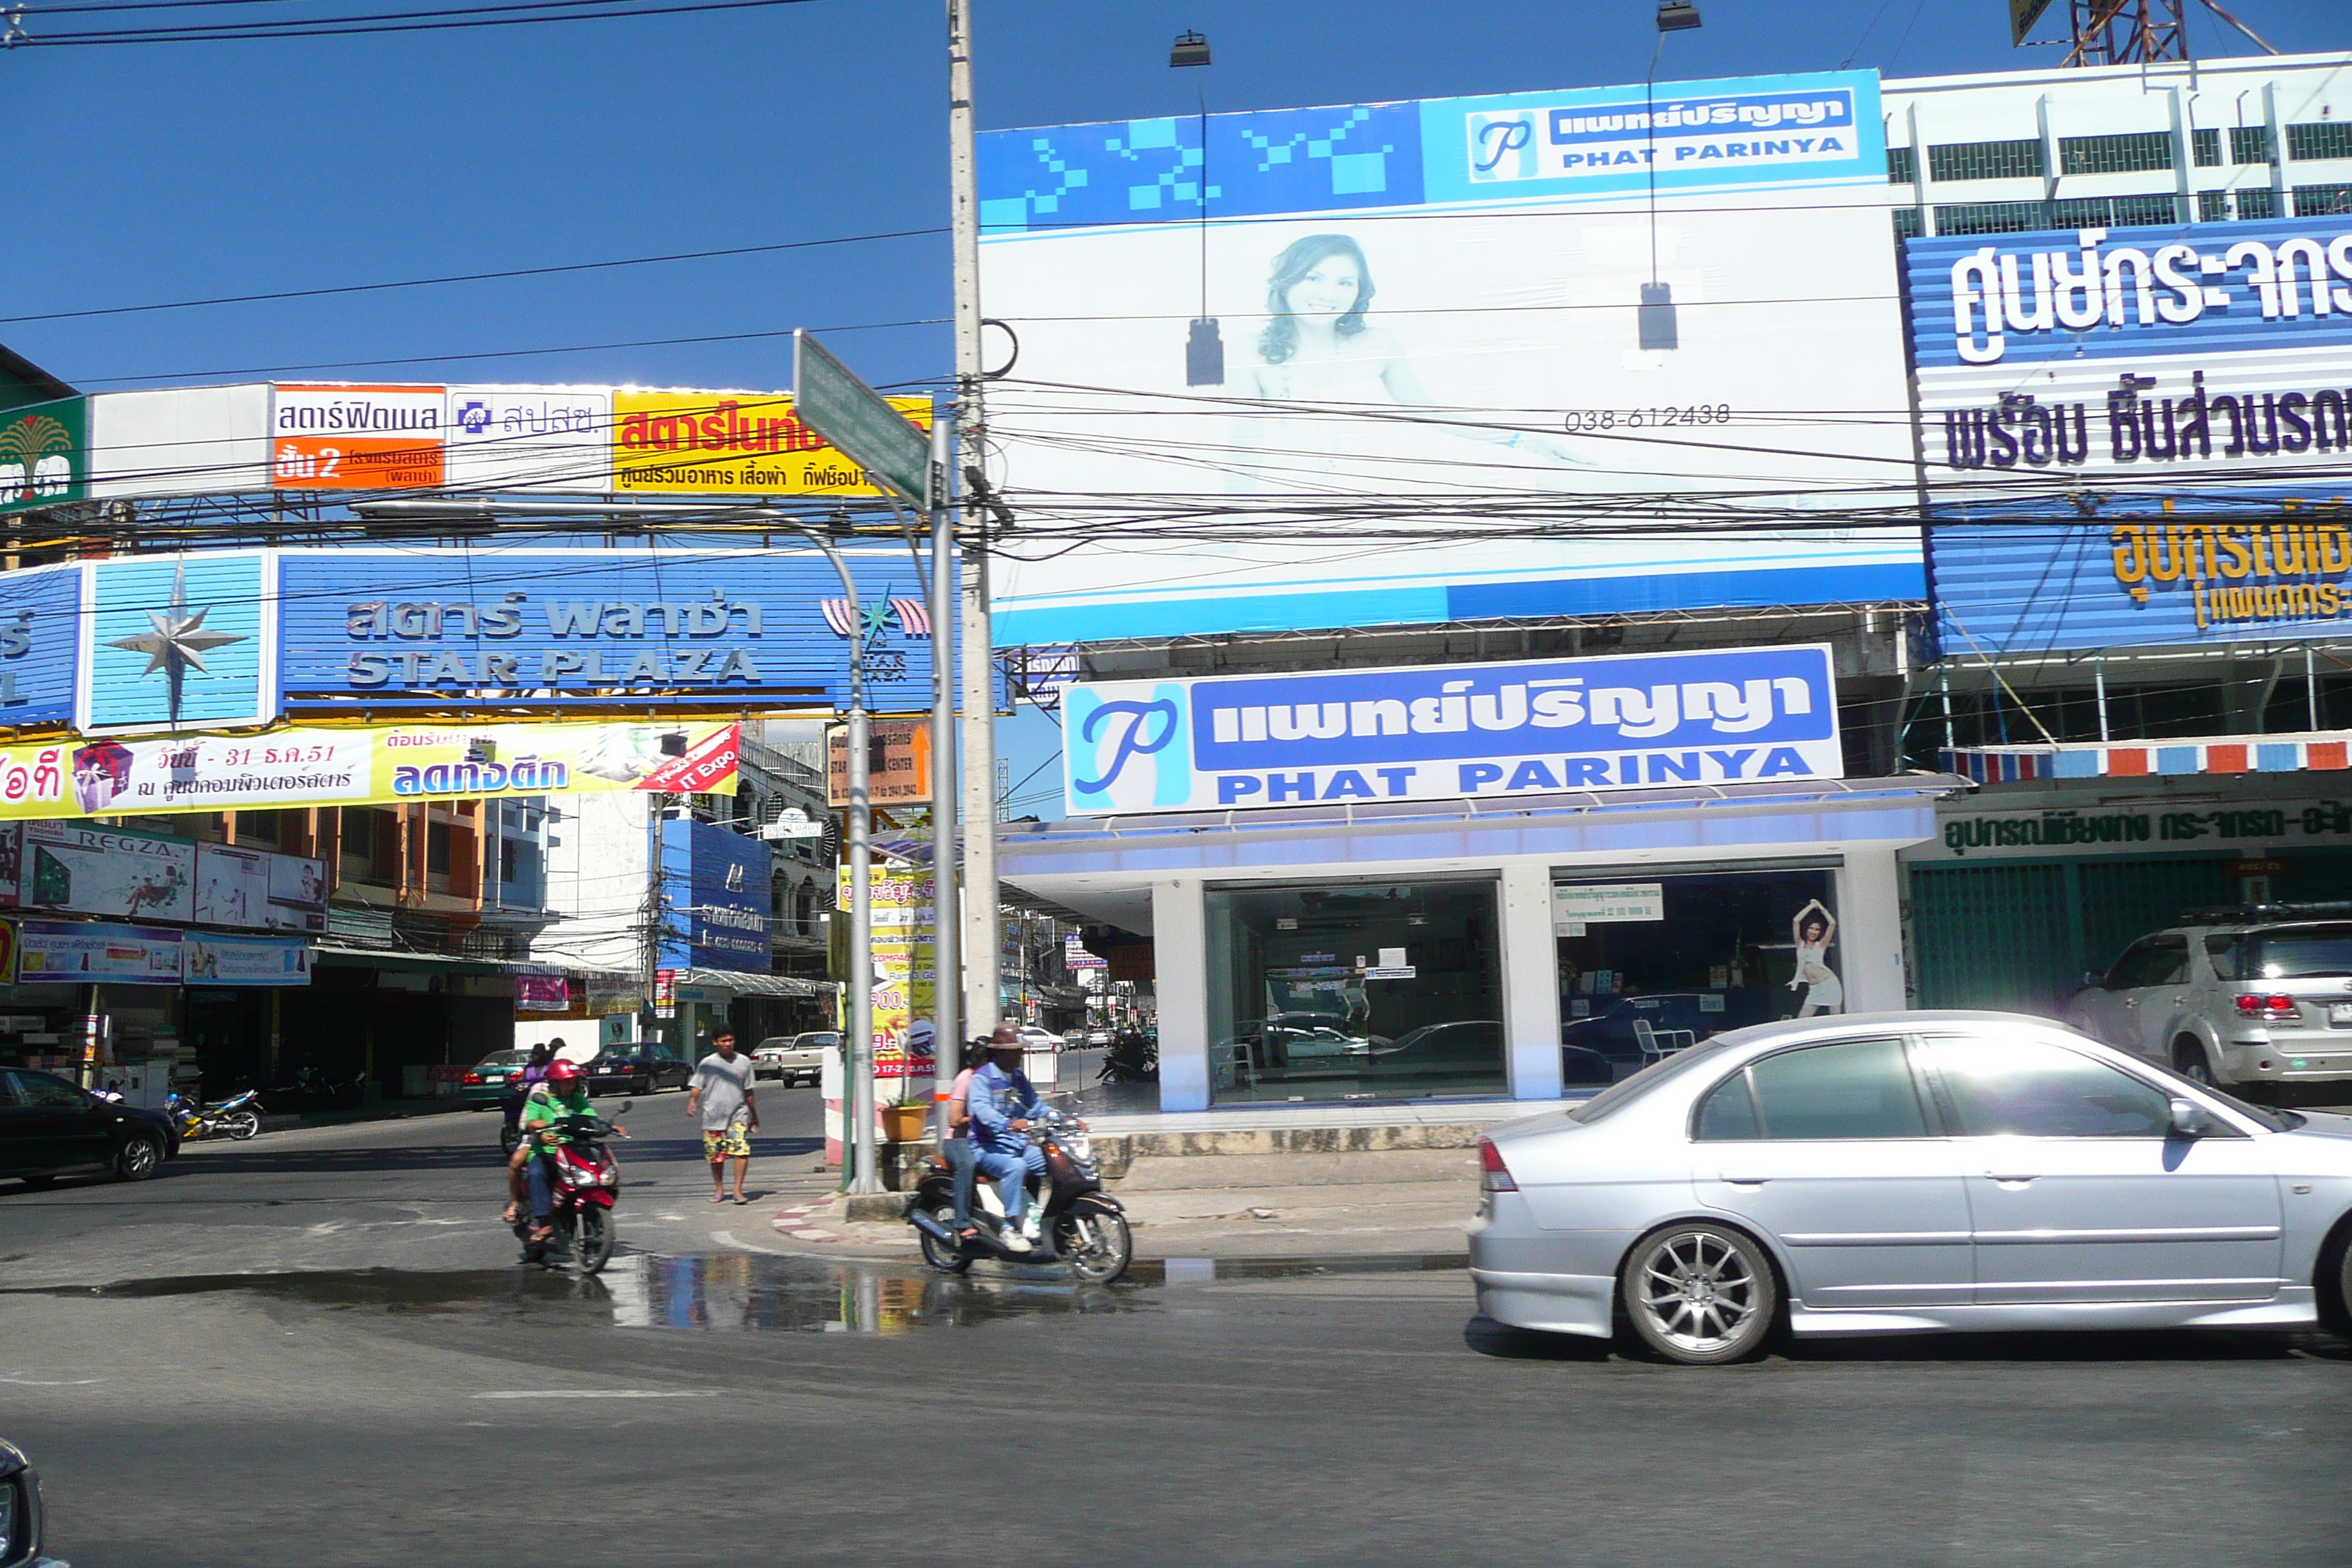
(2006,1177)
(1744,1178)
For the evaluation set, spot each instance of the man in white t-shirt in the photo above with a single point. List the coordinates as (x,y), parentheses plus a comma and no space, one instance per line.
(721,1093)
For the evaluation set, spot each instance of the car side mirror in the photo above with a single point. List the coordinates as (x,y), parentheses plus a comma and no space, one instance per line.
(2190,1119)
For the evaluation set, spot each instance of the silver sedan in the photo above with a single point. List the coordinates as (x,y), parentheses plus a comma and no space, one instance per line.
(1898,1172)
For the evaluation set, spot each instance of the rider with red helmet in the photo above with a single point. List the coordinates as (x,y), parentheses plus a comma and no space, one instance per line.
(565,1093)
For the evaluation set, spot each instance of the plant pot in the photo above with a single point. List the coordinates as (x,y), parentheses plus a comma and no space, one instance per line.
(904,1124)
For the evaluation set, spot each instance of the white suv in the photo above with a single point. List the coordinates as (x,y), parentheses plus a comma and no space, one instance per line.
(2236,997)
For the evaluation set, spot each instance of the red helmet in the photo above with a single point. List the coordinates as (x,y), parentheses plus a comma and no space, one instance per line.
(564,1071)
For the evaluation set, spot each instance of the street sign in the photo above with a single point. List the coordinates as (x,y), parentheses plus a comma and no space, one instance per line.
(793,823)
(831,400)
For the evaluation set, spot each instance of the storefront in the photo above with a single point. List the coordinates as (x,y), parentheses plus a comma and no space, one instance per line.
(1450,948)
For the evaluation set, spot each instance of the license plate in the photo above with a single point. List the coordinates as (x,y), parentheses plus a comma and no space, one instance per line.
(2339,1013)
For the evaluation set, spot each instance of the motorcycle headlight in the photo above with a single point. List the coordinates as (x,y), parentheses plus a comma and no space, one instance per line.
(610,1178)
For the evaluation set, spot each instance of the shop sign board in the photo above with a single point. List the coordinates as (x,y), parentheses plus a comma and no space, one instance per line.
(44,454)
(905,966)
(2153,827)
(1076,956)
(728,879)
(1420,301)
(1447,731)
(610,994)
(898,763)
(178,640)
(255,888)
(542,993)
(1575,906)
(664,992)
(387,765)
(528,438)
(88,869)
(181,440)
(40,616)
(2139,436)
(90,952)
(210,959)
(353,436)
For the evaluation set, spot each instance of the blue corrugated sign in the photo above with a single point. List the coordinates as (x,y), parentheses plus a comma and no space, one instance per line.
(178,641)
(1445,731)
(39,611)
(728,880)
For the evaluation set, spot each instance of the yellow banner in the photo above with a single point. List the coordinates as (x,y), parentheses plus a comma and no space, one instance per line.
(383,765)
(748,443)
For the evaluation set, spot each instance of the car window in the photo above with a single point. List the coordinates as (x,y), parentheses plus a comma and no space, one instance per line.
(8,1096)
(1855,1088)
(2031,1088)
(1625,1091)
(2309,953)
(1728,1113)
(2168,961)
(2132,968)
(2221,953)
(38,1088)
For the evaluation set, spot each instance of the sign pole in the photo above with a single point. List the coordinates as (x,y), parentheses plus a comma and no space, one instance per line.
(983,1003)
(948,974)
(864,1176)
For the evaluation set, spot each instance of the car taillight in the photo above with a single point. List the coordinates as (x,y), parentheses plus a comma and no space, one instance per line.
(2268,1007)
(473,1077)
(1494,1175)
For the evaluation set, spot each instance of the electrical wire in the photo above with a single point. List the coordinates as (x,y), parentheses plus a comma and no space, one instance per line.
(394,22)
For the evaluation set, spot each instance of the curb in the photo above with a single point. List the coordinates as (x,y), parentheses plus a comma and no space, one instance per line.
(795,1222)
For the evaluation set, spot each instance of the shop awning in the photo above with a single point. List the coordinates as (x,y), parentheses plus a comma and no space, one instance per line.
(2317,752)
(748,984)
(435,962)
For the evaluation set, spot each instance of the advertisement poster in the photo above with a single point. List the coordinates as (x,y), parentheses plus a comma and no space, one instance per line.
(672,442)
(176,640)
(1393,307)
(612,993)
(906,968)
(385,765)
(48,952)
(7,952)
(210,959)
(351,436)
(528,438)
(253,888)
(2181,397)
(721,890)
(1447,731)
(92,871)
(12,861)
(898,763)
(44,454)
(543,993)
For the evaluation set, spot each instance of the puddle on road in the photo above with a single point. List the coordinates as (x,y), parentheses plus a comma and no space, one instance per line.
(747,1292)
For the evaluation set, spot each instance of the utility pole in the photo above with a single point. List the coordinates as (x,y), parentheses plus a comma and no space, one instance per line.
(983,1006)
(947,986)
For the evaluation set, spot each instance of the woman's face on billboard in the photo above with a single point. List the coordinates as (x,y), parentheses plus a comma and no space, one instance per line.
(1329,288)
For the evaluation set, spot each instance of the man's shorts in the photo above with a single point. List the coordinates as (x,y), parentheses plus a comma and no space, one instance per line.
(734,1139)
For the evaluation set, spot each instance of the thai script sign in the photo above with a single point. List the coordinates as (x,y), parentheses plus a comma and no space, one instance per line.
(1445,731)
(83,953)
(906,965)
(1533,137)
(44,454)
(745,443)
(344,436)
(207,958)
(898,763)
(2139,829)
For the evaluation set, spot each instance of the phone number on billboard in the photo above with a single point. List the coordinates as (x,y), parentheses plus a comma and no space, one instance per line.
(1583,419)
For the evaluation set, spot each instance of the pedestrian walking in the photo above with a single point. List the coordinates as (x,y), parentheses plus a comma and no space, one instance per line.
(721,1093)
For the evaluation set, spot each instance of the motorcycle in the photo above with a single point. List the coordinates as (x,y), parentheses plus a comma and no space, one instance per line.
(237,1118)
(586,1181)
(1132,1059)
(1078,1224)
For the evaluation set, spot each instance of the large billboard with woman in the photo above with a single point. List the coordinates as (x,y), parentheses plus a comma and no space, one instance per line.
(1592,352)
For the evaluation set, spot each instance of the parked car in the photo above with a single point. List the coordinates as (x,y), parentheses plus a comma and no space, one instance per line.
(1097,1038)
(794,1058)
(2262,998)
(1034,1038)
(489,1081)
(1898,1172)
(48,1126)
(644,1068)
(20,1511)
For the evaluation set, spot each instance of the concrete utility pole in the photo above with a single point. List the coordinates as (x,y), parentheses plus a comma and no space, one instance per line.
(981,1005)
(947,987)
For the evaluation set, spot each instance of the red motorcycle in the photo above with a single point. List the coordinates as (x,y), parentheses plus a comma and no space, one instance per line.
(585,1180)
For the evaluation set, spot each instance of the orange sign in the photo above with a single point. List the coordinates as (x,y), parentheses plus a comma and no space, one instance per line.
(356,437)
(898,764)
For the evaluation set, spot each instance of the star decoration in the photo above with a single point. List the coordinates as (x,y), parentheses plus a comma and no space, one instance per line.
(179,642)
(877,616)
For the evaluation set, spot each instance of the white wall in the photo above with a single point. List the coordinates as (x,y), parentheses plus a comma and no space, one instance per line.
(1179,954)
(1870,931)
(596,882)
(1530,983)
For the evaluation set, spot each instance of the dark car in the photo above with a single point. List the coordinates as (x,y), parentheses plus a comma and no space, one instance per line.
(20,1511)
(638,1069)
(46,1125)
(490,1081)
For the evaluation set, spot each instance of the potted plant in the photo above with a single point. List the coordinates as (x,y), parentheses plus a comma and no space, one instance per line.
(905,1119)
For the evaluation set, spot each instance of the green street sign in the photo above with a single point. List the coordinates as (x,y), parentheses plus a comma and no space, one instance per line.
(851,416)
(44,454)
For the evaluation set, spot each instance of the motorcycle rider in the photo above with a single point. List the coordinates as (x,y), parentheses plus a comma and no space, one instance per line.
(529,1084)
(956,1146)
(565,1094)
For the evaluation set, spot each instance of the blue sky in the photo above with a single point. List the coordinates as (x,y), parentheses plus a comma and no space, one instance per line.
(176,172)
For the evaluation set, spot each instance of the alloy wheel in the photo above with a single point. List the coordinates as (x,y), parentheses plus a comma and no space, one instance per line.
(1700,1294)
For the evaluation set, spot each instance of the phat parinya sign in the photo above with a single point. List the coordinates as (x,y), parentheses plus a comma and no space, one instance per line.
(1447,731)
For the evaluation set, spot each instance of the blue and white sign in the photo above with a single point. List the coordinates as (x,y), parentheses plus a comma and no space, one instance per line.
(728,879)
(1445,731)
(178,642)
(1439,303)
(40,609)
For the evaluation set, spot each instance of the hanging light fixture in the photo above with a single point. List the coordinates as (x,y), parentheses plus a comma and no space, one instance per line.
(1204,348)
(1655,317)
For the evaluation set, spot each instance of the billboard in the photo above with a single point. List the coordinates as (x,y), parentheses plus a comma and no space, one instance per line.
(1452,304)
(254,888)
(90,952)
(898,763)
(905,963)
(730,883)
(209,958)
(1449,731)
(44,454)
(387,765)
(2138,436)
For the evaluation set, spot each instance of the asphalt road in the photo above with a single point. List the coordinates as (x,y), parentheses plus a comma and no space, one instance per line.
(711,1402)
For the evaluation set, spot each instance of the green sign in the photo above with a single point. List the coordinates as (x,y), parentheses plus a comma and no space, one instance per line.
(2022,15)
(830,400)
(44,454)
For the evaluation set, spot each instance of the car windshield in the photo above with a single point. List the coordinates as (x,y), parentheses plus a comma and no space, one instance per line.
(1619,1095)
(2262,1116)
(2308,952)
(501,1059)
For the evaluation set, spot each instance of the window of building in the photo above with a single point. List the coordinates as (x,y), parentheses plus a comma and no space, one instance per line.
(2205,148)
(1906,223)
(805,911)
(2323,201)
(2212,206)
(508,859)
(261,828)
(2134,153)
(2250,144)
(2319,139)
(2118,212)
(1985,161)
(1350,991)
(1902,166)
(2258,202)
(436,848)
(1991,218)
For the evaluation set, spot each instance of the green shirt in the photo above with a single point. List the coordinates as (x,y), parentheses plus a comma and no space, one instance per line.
(544,1110)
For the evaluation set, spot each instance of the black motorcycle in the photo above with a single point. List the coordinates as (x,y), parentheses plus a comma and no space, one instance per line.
(1080,1223)
(1132,1059)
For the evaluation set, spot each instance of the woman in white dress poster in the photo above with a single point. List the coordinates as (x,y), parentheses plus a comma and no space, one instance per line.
(1815,928)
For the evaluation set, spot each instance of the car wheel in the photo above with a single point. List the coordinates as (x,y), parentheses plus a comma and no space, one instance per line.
(2335,1281)
(1699,1294)
(2191,1061)
(140,1159)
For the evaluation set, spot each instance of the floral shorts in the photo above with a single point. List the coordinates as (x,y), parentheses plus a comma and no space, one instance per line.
(732,1140)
